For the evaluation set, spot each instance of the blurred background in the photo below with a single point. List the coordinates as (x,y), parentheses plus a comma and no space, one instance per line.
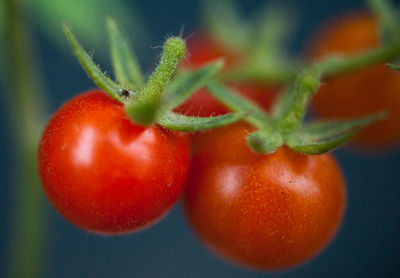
(368,244)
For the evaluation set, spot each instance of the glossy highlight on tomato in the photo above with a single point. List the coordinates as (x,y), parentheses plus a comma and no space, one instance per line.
(267,212)
(106,174)
(204,49)
(364,92)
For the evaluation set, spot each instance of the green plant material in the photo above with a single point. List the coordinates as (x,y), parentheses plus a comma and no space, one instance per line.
(282,103)
(395,67)
(230,28)
(338,65)
(272,31)
(231,99)
(266,63)
(264,141)
(272,28)
(94,72)
(262,72)
(324,136)
(262,41)
(2,19)
(155,99)
(181,122)
(125,64)
(296,104)
(85,17)
(24,103)
(332,66)
(387,17)
(187,83)
(143,108)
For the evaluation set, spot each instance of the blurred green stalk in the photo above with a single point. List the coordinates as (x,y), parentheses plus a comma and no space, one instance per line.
(24,100)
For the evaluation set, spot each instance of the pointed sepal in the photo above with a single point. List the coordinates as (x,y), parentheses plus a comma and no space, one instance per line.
(324,136)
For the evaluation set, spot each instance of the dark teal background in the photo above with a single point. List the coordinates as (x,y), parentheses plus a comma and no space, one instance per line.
(368,244)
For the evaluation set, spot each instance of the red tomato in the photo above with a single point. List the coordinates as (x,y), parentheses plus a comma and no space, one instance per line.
(361,93)
(263,211)
(203,49)
(104,173)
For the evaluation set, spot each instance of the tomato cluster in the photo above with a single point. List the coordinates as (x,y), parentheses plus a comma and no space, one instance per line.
(109,175)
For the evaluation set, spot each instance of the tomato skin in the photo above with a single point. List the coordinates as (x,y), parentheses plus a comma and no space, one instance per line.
(267,212)
(364,92)
(203,49)
(105,174)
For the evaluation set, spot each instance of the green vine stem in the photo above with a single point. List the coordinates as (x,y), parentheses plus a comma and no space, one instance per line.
(387,18)
(330,67)
(143,107)
(338,65)
(307,83)
(28,227)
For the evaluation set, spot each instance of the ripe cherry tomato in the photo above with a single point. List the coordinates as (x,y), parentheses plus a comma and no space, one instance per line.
(203,49)
(263,211)
(361,93)
(106,174)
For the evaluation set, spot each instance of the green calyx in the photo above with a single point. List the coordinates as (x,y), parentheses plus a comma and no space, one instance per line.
(152,102)
(265,141)
(285,126)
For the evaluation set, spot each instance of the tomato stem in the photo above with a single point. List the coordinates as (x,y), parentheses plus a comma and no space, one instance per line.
(307,83)
(387,18)
(337,65)
(28,228)
(330,67)
(142,109)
